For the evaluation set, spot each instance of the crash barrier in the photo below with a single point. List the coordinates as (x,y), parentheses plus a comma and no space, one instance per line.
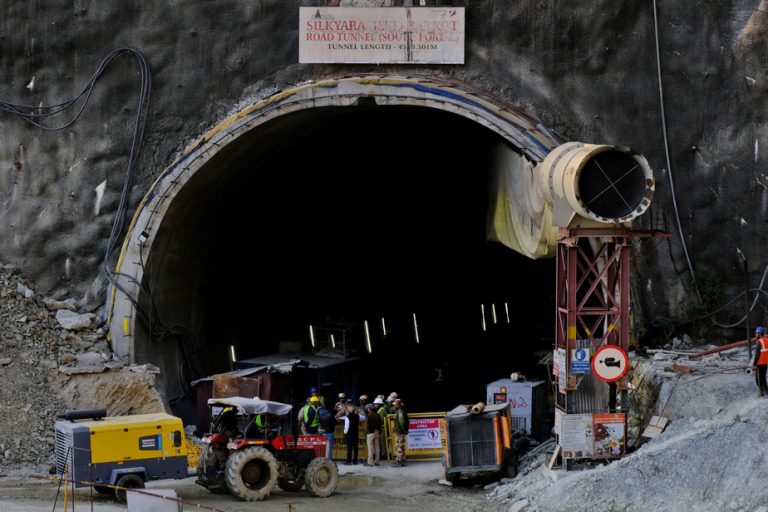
(426,438)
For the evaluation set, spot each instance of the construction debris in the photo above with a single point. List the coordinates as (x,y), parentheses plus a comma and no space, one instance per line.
(46,368)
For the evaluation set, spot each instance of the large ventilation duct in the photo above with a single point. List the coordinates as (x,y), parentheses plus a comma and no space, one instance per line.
(608,184)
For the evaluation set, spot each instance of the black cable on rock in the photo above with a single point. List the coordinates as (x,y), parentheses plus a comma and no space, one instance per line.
(34,114)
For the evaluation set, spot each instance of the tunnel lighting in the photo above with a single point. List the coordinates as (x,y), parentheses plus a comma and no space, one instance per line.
(506,310)
(333,341)
(493,312)
(312,336)
(383,327)
(415,328)
(232,353)
(482,311)
(367,337)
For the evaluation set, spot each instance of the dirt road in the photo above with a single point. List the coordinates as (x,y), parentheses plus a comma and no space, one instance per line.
(361,488)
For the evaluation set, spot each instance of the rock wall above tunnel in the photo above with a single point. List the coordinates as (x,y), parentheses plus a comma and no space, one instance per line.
(588,72)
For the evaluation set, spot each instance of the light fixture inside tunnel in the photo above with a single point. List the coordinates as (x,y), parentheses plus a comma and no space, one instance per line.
(493,312)
(367,337)
(383,327)
(482,312)
(232,353)
(333,341)
(415,328)
(506,310)
(312,336)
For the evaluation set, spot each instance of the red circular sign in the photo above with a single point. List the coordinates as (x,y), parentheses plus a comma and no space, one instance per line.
(610,363)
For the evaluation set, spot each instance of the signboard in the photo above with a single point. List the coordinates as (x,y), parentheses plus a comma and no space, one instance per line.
(389,35)
(580,361)
(424,433)
(610,363)
(576,435)
(559,363)
(609,435)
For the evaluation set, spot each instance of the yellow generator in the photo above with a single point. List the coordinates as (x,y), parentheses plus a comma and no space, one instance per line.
(121,452)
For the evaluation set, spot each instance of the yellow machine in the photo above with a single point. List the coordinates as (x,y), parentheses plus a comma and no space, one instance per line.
(121,451)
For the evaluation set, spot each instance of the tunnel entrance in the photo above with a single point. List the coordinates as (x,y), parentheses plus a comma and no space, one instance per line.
(330,217)
(371,214)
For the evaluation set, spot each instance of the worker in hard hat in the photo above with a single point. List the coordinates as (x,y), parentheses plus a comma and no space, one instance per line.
(311,416)
(760,360)
(341,404)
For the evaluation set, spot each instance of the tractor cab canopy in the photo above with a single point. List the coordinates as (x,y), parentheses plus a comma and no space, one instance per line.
(251,406)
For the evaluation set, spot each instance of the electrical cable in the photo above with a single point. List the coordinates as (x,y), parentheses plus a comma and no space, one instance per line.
(666,152)
(32,113)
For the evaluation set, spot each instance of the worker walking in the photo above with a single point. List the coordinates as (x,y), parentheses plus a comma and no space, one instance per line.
(760,361)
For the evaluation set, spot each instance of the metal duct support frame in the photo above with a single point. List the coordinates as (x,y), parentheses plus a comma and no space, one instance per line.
(608,184)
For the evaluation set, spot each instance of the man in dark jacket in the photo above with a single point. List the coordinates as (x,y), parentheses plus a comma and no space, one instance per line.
(372,433)
(351,430)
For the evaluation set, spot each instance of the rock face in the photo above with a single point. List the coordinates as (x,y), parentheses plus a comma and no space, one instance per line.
(588,72)
(45,369)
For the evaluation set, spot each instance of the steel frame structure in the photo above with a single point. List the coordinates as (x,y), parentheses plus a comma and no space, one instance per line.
(593,310)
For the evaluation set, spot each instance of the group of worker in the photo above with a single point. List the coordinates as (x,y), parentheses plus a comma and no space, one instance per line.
(316,418)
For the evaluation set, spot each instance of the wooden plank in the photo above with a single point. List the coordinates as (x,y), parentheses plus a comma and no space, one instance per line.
(680,368)
(655,427)
(553,460)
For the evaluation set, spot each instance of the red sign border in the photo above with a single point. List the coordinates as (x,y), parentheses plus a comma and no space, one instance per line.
(626,366)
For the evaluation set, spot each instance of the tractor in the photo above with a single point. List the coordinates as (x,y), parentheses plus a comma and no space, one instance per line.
(251,448)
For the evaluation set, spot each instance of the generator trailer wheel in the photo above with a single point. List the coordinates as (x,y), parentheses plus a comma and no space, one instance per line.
(129,481)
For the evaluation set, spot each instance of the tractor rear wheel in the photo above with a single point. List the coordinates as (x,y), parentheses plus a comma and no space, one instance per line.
(322,477)
(251,473)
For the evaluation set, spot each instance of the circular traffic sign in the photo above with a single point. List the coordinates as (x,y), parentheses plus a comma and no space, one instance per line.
(610,363)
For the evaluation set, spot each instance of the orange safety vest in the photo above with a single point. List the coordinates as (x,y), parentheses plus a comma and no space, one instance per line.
(762,344)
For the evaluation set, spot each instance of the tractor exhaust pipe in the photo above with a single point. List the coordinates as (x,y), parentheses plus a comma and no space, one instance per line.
(608,184)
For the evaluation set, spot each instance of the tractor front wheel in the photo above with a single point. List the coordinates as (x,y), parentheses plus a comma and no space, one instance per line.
(322,477)
(251,473)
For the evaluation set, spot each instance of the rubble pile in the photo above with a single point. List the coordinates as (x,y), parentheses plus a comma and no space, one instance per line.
(710,457)
(52,359)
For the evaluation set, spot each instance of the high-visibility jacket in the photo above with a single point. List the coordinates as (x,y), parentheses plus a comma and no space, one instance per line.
(311,418)
(762,347)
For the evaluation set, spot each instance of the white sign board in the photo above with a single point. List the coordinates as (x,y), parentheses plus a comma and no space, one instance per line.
(560,363)
(387,35)
(576,434)
(424,433)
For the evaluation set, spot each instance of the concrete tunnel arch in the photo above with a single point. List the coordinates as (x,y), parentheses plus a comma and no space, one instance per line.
(165,210)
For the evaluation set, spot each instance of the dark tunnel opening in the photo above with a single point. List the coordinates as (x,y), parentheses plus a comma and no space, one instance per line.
(334,217)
